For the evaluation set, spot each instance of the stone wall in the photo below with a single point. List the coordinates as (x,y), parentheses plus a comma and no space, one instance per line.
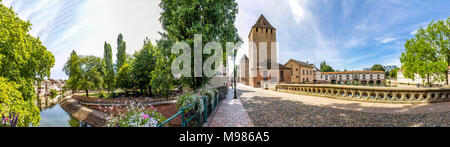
(84,114)
(368,93)
(119,100)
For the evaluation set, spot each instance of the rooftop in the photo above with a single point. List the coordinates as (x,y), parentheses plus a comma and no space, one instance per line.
(263,23)
(354,72)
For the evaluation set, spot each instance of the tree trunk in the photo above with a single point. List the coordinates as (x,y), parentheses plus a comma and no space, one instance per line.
(87,93)
(150,91)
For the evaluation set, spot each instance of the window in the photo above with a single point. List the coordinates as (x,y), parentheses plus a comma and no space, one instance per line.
(303,72)
(256,29)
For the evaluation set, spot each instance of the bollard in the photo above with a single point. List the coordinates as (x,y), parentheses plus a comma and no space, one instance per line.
(205,103)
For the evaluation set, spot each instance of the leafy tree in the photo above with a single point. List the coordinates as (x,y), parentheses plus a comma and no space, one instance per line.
(91,71)
(325,68)
(24,62)
(72,69)
(121,53)
(181,20)
(143,65)
(377,67)
(109,67)
(12,101)
(427,54)
(437,34)
(124,79)
(162,79)
(393,73)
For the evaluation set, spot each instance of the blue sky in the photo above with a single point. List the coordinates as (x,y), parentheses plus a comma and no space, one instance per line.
(348,34)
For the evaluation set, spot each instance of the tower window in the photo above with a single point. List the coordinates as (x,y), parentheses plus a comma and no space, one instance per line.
(256,29)
(267,30)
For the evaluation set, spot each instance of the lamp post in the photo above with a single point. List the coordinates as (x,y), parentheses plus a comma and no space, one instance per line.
(234,69)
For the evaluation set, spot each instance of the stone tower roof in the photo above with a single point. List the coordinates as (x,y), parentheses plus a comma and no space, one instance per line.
(244,58)
(263,23)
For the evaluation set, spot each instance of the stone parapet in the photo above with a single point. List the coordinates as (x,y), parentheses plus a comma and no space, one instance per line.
(371,94)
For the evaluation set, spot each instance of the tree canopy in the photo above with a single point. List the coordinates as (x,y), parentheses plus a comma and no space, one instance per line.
(121,52)
(123,78)
(91,71)
(109,67)
(144,63)
(213,19)
(326,68)
(427,54)
(72,69)
(377,67)
(24,62)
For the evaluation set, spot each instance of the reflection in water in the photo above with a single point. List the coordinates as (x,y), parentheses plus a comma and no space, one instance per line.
(52,115)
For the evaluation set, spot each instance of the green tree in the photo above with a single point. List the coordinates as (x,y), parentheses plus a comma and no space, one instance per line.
(393,73)
(422,58)
(109,67)
(24,62)
(437,35)
(124,79)
(12,101)
(162,79)
(181,20)
(377,67)
(91,71)
(121,52)
(72,69)
(325,68)
(144,63)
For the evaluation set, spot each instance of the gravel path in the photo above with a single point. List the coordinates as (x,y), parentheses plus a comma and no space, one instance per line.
(267,111)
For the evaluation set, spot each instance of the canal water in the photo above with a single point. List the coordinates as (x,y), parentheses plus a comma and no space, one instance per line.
(52,115)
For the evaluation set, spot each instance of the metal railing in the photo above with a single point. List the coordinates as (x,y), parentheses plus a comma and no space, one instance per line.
(201,120)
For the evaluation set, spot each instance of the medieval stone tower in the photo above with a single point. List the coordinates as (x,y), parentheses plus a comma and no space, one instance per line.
(261,56)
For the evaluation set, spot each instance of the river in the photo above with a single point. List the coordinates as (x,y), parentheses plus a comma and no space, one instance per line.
(52,115)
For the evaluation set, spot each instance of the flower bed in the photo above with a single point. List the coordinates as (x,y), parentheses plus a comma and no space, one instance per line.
(10,120)
(136,115)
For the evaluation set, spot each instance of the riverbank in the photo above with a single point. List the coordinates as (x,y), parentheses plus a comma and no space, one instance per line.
(84,114)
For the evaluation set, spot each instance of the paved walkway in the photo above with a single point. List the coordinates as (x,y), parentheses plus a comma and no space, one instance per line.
(385,108)
(230,113)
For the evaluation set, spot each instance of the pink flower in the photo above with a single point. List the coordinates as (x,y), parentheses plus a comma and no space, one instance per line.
(145,116)
(152,107)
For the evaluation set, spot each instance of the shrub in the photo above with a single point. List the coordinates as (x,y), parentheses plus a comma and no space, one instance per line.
(53,93)
(102,95)
(189,98)
(211,93)
(136,115)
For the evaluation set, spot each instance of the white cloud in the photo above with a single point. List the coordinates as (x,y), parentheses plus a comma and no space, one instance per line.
(64,25)
(387,40)
(298,9)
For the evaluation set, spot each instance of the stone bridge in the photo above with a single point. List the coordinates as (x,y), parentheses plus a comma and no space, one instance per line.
(371,94)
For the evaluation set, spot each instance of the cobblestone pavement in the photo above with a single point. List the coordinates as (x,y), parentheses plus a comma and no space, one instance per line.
(230,113)
(266,110)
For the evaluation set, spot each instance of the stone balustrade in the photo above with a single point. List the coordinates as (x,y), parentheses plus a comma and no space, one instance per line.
(367,93)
